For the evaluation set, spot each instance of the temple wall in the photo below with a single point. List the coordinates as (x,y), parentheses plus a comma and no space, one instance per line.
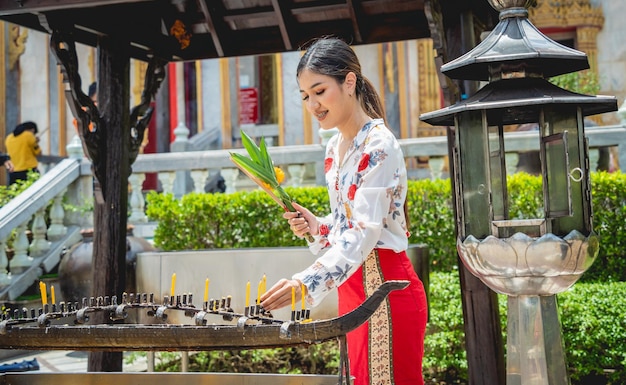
(612,52)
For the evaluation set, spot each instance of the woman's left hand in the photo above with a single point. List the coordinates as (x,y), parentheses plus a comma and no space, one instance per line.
(302,221)
(279,295)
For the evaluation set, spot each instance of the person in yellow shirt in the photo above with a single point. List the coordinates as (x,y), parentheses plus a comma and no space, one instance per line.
(23,148)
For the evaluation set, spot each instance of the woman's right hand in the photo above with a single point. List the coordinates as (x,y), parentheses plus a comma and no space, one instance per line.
(301,221)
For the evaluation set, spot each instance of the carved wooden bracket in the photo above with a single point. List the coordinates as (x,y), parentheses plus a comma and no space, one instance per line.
(17,44)
(141,114)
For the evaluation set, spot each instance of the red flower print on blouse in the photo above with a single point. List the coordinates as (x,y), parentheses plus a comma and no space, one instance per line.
(364,162)
(324,230)
(351,192)
(328,162)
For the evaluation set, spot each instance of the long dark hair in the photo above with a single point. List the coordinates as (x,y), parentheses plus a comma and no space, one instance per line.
(333,57)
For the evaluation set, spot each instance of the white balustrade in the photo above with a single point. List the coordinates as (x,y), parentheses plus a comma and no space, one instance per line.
(137,202)
(57,229)
(199,178)
(72,181)
(296,173)
(39,244)
(167,181)
(5,277)
(230,176)
(21,261)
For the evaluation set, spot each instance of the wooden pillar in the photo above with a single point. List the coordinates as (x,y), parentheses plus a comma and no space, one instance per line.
(483,336)
(111,203)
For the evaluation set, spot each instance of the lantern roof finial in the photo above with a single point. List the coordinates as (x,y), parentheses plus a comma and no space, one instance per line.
(515,48)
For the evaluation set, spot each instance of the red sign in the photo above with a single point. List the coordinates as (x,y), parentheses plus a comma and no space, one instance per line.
(248,106)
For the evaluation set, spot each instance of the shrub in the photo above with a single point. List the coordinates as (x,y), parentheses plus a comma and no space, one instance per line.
(593,319)
(233,220)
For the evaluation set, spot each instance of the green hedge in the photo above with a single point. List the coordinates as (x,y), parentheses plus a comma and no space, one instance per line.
(207,221)
(593,319)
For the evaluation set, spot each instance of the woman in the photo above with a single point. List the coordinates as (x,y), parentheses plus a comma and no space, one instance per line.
(23,148)
(365,236)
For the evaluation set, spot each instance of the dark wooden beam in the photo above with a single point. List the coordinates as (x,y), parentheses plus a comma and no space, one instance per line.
(215,37)
(13,7)
(214,12)
(356,14)
(110,211)
(483,337)
(286,21)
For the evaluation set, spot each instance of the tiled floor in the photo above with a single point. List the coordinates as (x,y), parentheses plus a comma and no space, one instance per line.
(62,361)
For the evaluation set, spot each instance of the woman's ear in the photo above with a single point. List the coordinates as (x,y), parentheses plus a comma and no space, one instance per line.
(350,83)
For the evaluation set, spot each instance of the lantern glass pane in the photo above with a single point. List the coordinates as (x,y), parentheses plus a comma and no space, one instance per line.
(567,184)
(559,199)
(498,172)
(474,166)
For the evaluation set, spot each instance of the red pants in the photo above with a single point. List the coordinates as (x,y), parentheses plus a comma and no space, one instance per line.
(388,349)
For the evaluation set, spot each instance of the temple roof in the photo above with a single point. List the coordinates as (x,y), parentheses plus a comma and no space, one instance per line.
(182,30)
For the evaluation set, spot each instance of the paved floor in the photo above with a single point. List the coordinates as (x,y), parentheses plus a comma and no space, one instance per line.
(62,361)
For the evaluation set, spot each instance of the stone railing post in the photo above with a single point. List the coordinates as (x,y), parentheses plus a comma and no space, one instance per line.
(57,229)
(80,193)
(296,173)
(199,178)
(180,144)
(167,181)
(435,164)
(39,244)
(511,159)
(230,176)
(21,261)
(137,202)
(5,278)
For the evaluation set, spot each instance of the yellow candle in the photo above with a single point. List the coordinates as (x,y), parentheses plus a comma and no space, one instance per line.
(206,290)
(264,287)
(258,294)
(303,301)
(248,294)
(53,300)
(173,284)
(44,294)
(293,298)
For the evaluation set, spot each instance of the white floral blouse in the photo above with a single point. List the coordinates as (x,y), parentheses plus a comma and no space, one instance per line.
(367,194)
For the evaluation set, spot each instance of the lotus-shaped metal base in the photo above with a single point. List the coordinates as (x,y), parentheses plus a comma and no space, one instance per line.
(522,265)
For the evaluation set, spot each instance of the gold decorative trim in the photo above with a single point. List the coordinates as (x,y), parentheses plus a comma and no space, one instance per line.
(381,73)
(227,130)
(567,13)
(280,98)
(402,89)
(586,19)
(429,89)
(199,97)
(140,68)
(3,91)
(379,325)
(17,44)
(307,121)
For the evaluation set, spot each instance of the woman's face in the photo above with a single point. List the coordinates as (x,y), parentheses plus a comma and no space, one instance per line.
(326,99)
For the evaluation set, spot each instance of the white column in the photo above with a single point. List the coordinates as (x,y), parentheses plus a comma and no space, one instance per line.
(39,245)
(5,277)
(137,202)
(21,261)
(57,230)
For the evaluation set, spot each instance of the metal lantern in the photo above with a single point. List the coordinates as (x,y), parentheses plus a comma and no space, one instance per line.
(529,260)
